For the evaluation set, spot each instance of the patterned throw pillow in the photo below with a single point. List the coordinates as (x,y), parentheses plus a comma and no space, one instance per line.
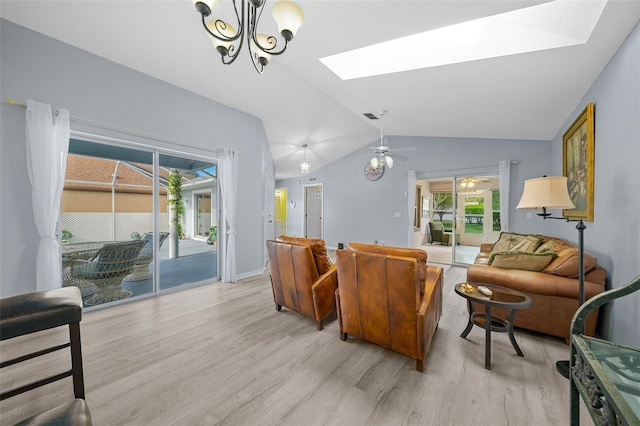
(509,240)
(529,244)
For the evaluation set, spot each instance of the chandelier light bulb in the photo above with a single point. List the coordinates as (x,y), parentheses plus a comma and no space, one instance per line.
(388,161)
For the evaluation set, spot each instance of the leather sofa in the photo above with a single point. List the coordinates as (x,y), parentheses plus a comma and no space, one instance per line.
(553,289)
(390,297)
(302,277)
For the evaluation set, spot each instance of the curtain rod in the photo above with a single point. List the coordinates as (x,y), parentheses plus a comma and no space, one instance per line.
(133,132)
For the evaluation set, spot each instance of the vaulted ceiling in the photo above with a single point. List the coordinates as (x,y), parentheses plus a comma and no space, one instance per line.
(521,96)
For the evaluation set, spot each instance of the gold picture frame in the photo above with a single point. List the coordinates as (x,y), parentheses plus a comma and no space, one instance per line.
(578,164)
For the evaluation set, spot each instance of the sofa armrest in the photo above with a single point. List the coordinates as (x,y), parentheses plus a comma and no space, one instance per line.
(324,290)
(486,247)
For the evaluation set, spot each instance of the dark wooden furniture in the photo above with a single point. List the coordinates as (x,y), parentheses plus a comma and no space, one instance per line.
(605,374)
(39,311)
(502,297)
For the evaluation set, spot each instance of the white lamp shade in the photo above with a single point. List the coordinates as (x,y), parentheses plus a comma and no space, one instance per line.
(374,162)
(210,3)
(263,41)
(550,192)
(388,161)
(228,31)
(288,16)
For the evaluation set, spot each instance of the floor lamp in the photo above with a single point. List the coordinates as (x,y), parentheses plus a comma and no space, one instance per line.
(552,193)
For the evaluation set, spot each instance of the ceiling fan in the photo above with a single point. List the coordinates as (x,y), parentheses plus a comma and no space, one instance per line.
(470,182)
(382,153)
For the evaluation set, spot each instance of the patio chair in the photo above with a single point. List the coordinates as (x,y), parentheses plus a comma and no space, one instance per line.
(141,270)
(439,234)
(107,269)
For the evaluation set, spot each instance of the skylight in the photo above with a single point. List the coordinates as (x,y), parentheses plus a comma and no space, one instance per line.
(552,25)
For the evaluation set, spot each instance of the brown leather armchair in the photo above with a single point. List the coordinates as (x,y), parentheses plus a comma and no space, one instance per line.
(301,278)
(388,298)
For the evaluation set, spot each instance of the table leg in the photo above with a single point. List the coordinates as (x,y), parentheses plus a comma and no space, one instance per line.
(470,324)
(512,338)
(487,328)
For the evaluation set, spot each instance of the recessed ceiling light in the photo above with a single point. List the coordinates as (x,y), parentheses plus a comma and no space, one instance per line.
(552,25)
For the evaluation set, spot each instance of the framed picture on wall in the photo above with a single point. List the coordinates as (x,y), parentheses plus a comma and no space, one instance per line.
(578,164)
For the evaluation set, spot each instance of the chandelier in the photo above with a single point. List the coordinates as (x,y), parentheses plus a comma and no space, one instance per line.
(228,41)
(380,157)
(305,165)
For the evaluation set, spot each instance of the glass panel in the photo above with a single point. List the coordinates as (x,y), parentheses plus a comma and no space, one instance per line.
(106,199)
(622,366)
(478,204)
(188,207)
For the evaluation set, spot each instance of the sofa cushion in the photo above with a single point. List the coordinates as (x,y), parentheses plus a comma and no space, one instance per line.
(418,254)
(567,262)
(318,248)
(523,260)
(547,247)
(509,240)
(529,244)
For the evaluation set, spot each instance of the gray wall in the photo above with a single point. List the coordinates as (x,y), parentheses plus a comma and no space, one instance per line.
(356,209)
(614,235)
(359,210)
(36,67)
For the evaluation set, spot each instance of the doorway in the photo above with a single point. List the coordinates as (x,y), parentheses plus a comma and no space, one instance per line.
(467,209)
(313,222)
(281,211)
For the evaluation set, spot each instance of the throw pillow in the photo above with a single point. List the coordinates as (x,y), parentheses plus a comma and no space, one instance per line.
(529,243)
(567,262)
(522,260)
(508,240)
(546,247)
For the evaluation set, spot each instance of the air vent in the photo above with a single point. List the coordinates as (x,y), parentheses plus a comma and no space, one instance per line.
(370,115)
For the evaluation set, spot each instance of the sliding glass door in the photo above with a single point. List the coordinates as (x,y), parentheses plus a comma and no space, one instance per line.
(116,194)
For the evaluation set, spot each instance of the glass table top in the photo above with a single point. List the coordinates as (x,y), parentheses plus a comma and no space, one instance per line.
(622,366)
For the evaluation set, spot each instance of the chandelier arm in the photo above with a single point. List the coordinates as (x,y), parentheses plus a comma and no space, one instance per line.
(221,25)
(254,20)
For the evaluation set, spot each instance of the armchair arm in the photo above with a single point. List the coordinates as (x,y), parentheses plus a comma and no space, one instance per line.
(324,290)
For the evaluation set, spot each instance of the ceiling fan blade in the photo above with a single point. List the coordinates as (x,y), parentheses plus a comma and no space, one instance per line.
(407,149)
(398,157)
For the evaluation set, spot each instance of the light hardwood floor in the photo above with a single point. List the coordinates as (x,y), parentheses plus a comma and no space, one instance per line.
(221,355)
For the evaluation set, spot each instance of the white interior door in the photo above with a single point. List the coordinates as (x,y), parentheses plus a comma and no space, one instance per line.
(313,211)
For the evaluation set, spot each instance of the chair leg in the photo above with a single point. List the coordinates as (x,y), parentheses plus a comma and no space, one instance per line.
(319,326)
(76,360)
(278,307)
(343,336)
(419,365)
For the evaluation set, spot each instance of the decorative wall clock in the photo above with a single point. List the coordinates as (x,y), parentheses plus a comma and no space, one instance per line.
(371,173)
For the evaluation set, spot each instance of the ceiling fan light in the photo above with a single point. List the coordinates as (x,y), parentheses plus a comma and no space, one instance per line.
(289,17)
(388,161)
(374,162)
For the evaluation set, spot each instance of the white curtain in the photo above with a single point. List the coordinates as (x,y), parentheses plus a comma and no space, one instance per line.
(504,168)
(47,149)
(229,186)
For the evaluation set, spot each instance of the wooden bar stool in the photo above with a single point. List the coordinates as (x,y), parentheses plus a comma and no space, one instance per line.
(39,311)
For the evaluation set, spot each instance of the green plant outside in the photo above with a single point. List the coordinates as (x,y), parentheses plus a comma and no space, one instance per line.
(213,234)
(174,189)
